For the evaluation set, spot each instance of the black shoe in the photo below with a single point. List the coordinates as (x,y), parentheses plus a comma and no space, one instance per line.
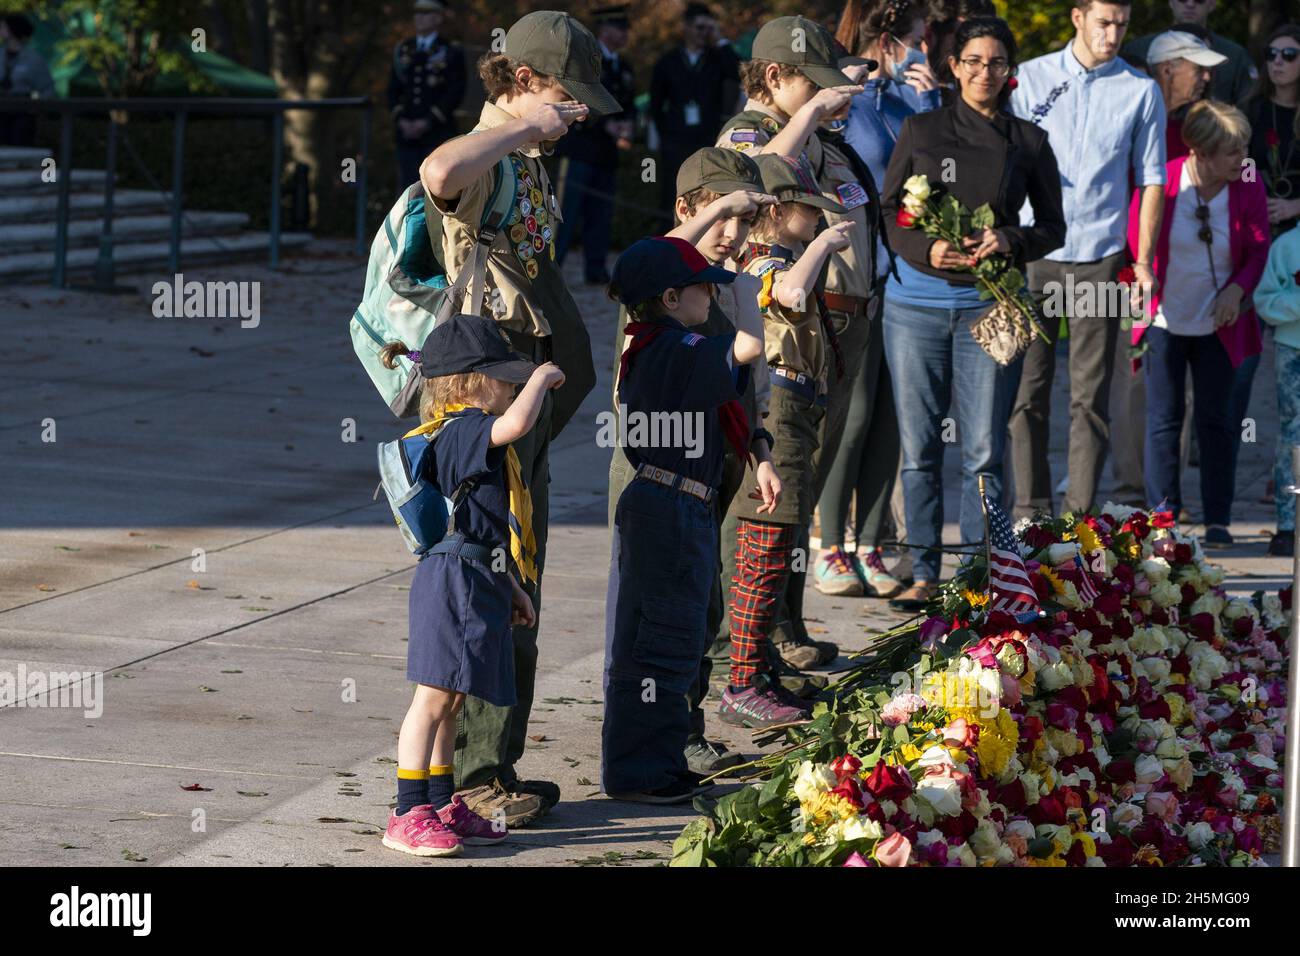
(707,757)
(1282,545)
(679,791)
(1217,537)
(544,789)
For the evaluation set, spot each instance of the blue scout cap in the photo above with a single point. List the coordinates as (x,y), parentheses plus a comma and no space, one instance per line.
(471,343)
(649,267)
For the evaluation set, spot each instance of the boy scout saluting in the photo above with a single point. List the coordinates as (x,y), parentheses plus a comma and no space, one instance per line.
(549,62)
(794,84)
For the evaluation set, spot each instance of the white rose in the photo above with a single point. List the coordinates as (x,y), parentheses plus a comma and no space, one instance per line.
(1058,554)
(941,793)
(812,780)
(918,186)
(964,854)
(1021,828)
(854,828)
(1166,594)
(1208,603)
(1148,769)
(929,836)
(1127,816)
(1199,835)
(1156,570)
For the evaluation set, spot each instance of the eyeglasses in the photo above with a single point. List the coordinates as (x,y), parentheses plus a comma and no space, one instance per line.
(975,66)
(1287,53)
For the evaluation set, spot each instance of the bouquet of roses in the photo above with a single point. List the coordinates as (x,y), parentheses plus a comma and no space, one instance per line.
(1005,331)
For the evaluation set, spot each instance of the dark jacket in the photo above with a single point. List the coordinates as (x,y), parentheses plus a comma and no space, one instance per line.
(587,140)
(999,161)
(712,83)
(427,85)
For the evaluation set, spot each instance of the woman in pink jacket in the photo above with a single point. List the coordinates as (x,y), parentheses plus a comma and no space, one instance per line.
(1211,252)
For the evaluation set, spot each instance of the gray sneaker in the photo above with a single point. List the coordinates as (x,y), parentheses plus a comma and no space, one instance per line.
(758,708)
(706,757)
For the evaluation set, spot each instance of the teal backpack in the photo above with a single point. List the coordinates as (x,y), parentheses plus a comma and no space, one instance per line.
(407,292)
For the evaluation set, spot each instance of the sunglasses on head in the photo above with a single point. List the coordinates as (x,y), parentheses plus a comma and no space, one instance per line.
(1289,54)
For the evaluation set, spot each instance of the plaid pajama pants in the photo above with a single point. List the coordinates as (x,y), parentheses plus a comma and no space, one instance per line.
(763,559)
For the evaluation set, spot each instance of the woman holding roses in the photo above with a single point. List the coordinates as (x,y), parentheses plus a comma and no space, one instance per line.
(1275,125)
(988,160)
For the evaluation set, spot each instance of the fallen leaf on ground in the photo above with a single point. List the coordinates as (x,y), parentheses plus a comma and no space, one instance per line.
(537,737)
(45,587)
(132,857)
(251,793)
(198,787)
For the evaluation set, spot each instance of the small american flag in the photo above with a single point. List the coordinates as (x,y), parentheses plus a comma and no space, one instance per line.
(1087,590)
(1009,586)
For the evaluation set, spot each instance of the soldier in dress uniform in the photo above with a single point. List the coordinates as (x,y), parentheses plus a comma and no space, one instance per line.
(589,153)
(426,86)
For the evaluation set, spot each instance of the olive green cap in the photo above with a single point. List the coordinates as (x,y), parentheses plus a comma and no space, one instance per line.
(557,45)
(790,180)
(802,43)
(721,170)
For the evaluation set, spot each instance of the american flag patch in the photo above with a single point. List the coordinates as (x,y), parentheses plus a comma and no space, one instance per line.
(851,195)
(692,338)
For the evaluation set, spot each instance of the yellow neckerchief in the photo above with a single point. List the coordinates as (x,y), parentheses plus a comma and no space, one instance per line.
(523,546)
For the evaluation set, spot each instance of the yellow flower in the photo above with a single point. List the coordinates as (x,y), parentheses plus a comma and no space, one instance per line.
(975,600)
(1058,587)
(1089,845)
(997,743)
(1052,860)
(1088,539)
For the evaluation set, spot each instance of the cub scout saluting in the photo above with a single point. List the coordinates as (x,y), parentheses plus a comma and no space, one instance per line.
(547,78)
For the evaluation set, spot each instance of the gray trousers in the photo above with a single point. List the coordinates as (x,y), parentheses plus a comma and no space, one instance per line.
(1093,336)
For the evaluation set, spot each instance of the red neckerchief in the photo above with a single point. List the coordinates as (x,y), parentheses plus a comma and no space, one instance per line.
(732,417)
(756,249)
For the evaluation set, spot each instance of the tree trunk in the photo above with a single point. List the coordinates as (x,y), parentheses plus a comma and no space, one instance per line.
(259,56)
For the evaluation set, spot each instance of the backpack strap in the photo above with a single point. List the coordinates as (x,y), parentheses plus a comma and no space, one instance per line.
(495,214)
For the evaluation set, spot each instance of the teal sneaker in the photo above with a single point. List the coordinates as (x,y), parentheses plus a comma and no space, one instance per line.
(834,574)
(879,582)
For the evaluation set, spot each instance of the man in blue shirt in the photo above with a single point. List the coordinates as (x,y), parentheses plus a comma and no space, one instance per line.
(1105,120)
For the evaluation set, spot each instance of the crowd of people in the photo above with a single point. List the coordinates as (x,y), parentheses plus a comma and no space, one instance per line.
(832,341)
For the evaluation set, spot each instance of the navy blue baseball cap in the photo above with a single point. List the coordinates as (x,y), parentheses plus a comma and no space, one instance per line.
(472,343)
(649,267)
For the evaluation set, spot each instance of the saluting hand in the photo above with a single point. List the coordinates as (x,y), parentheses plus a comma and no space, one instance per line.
(552,120)
(838,236)
(833,100)
(743,202)
(550,375)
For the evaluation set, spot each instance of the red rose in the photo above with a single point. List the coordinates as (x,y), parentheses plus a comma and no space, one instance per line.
(1271,138)
(905,219)
(889,783)
(846,766)
(1162,519)
(1127,275)
(1012,83)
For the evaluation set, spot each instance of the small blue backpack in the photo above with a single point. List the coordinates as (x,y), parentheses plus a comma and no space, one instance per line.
(423,513)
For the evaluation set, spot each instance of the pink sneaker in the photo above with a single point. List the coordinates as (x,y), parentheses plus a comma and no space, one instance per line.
(469,826)
(420,833)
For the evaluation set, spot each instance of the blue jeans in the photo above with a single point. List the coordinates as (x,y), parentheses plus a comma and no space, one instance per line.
(663,563)
(1287,363)
(1213,413)
(935,365)
(588,206)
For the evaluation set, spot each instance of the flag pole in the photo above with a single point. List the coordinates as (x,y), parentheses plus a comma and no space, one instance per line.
(988,549)
(1290,808)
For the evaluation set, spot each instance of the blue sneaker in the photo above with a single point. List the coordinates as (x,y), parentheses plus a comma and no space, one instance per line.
(835,574)
(879,582)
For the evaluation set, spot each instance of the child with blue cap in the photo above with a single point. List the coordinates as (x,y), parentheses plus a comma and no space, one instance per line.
(666,536)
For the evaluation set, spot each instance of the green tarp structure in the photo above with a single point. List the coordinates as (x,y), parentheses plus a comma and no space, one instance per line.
(76,79)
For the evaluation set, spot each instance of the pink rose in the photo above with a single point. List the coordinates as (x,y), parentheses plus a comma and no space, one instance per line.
(1010,691)
(1163,806)
(960,733)
(855,859)
(893,850)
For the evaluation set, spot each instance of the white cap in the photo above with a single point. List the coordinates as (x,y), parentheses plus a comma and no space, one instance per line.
(1176,45)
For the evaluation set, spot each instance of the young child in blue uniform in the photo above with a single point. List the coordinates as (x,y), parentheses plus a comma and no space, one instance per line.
(465,595)
(666,534)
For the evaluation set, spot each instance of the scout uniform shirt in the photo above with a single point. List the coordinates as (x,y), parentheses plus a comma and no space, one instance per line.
(793,340)
(684,372)
(851,269)
(533,299)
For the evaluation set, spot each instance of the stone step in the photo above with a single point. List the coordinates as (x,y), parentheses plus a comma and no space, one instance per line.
(31,236)
(44,206)
(19,181)
(22,157)
(148,256)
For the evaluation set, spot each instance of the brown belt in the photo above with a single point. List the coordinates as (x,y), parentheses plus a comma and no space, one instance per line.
(852,305)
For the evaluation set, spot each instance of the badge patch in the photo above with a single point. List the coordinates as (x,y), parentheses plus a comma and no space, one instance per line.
(744,136)
(852,195)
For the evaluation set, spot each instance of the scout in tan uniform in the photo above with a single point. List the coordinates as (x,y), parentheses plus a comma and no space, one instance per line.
(793,96)
(787,253)
(547,78)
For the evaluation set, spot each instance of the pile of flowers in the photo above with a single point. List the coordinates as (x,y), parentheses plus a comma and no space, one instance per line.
(1141,727)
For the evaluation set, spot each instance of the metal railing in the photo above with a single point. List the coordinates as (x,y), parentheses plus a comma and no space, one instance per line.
(181,108)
